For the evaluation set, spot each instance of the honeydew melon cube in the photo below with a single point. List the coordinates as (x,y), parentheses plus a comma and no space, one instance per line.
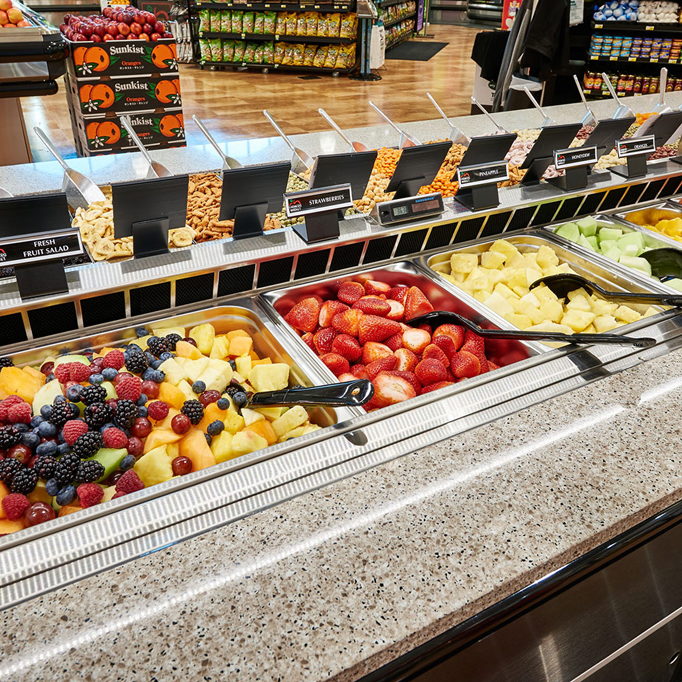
(587,226)
(507,249)
(463,262)
(611,250)
(492,259)
(626,314)
(46,394)
(640,264)
(584,242)
(593,242)
(519,320)
(62,360)
(577,320)
(630,250)
(546,257)
(633,239)
(579,303)
(569,231)
(604,323)
(499,304)
(609,233)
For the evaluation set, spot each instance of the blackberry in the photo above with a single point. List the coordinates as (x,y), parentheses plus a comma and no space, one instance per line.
(93,394)
(6,362)
(89,472)
(24,482)
(87,444)
(9,467)
(66,468)
(45,467)
(61,413)
(172,340)
(97,415)
(136,362)
(156,345)
(233,388)
(194,410)
(9,436)
(126,413)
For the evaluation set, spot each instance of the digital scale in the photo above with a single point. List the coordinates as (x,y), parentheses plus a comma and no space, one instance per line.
(410,208)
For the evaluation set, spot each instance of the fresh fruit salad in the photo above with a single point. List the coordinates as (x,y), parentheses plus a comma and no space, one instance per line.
(357,329)
(84,429)
(500,277)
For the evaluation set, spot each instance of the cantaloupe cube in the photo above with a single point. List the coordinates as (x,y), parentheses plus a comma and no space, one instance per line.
(4,492)
(7,526)
(184,349)
(240,345)
(211,413)
(237,332)
(171,394)
(166,423)
(265,429)
(15,381)
(194,446)
(159,438)
(264,361)
(69,509)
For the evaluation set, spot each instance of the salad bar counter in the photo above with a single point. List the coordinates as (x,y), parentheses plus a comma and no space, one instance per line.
(499,424)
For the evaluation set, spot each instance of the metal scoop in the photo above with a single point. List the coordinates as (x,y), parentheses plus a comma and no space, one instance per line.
(661,107)
(405,137)
(455,134)
(498,128)
(155,169)
(546,120)
(589,119)
(302,162)
(80,190)
(665,263)
(438,317)
(228,161)
(4,194)
(563,284)
(345,394)
(354,146)
(622,111)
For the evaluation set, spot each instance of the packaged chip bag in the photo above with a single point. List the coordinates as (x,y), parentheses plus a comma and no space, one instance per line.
(236,22)
(250,52)
(258,22)
(214,21)
(291,24)
(268,53)
(258,54)
(216,49)
(298,52)
(346,58)
(309,54)
(281,23)
(226,21)
(301,26)
(320,56)
(310,23)
(239,47)
(334,25)
(205,50)
(348,26)
(322,24)
(280,49)
(248,20)
(288,59)
(204,20)
(269,22)
(228,50)
(332,54)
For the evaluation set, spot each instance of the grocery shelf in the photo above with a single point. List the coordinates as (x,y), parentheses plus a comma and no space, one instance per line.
(388,3)
(636,26)
(290,7)
(276,37)
(399,40)
(278,67)
(636,60)
(393,22)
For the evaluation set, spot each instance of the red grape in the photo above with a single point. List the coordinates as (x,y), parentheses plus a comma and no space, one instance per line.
(141,428)
(39,512)
(135,446)
(181,423)
(181,466)
(150,388)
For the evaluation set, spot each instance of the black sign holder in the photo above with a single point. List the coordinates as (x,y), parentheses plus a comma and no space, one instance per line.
(38,218)
(663,128)
(417,166)
(146,209)
(321,208)
(250,193)
(636,158)
(575,169)
(541,154)
(607,132)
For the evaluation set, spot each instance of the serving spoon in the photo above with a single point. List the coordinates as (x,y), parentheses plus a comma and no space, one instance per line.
(345,394)
(665,263)
(354,146)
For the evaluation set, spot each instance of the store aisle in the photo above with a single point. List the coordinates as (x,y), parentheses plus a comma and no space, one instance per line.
(230,102)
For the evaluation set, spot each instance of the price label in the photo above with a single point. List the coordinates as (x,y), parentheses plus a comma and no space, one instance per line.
(578,156)
(653,61)
(649,28)
(483,174)
(636,145)
(39,249)
(318,200)
(599,25)
(613,59)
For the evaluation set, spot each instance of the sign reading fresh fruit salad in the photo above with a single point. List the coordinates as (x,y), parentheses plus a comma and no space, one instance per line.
(39,249)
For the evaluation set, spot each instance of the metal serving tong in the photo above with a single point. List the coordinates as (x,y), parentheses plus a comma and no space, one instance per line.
(455,134)
(354,146)
(665,263)
(499,130)
(589,119)
(438,317)
(622,111)
(563,284)
(345,394)
(405,137)
(228,162)
(302,162)
(80,190)
(546,120)
(154,169)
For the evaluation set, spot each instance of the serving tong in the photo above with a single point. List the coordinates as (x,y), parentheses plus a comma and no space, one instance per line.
(154,168)
(438,317)
(302,162)
(406,140)
(455,134)
(345,394)
(666,263)
(354,146)
(229,162)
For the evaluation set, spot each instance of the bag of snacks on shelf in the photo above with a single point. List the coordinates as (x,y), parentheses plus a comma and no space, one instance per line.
(280,49)
(346,58)
(204,20)
(311,23)
(239,47)
(291,24)
(258,22)
(258,54)
(298,51)
(309,54)
(247,22)
(348,26)
(214,21)
(268,53)
(228,50)
(269,22)
(321,24)
(332,54)
(236,22)
(249,52)
(205,50)
(288,58)
(226,21)
(320,56)
(281,24)
(333,25)
(301,26)
(216,49)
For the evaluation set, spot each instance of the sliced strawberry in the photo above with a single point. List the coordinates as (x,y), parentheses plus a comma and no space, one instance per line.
(308,339)
(373,351)
(452,331)
(347,322)
(347,376)
(474,343)
(407,360)
(398,293)
(322,339)
(328,310)
(397,310)
(359,371)
(389,389)
(373,306)
(436,386)
(374,287)
(416,303)
(465,365)
(380,365)
(430,372)
(348,346)
(304,315)
(416,340)
(394,342)
(349,292)
(336,363)
(446,344)
(408,376)
(433,352)
(492,366)
(374,328)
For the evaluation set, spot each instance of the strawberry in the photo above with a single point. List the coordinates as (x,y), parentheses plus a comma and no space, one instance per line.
(416,340)
(474,343)
(374,287)
(389,389)
(374,328)
(408,376)
(336,363)
(304,315)
(465,365)
(394,342)
(347,376)
(433,352)
(347,346)
(436,386)
(347,322)
(407,360)
(452,331)
(430,371)
(373,306)
(492,366)
(328,310)
(397,310)
(373,351)
(398,293)
(359,372)
(307,338)
(350,292)
(416,303)
(322,340)
(446,344)
(380,365)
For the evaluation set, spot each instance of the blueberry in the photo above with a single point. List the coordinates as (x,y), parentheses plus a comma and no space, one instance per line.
(60,399)
(165,356)
(66,495)
(214,428)
(96,379)
(160,376)
(36,421)
(240,398)
(49,447)
(63,449)
(60,438)
(50,377)
(46,411)
(209,438)
(75,410)
(52,487)
(31,440)
(47,430)
(149,356)
(156,364)
(109,373)
(198,387)
(147,375)
(106,426)
(142,411)
(127,462)
(22,428)
(223,403)
(141,331)
(233,364)
(142,400)
(73,393)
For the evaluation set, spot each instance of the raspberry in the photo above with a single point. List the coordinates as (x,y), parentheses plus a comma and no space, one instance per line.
(62,373)
(15,505)
(19,413)
(73,430)
(114,359)
(114,438)
(89,494)
(158,410)
(129,483)
(79,372)
(129,388)
(12,400)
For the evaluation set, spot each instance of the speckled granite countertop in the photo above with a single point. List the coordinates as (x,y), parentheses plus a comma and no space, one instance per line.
(339,581)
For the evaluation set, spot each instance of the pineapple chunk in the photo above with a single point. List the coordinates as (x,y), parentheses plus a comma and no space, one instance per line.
(602,307)
(504,247)
(532,275)
(577,320)
(442,268)
(552,310)
(577,292)
(579,302)
(530,299)
(244,365)
(174,371)
(233,421)
(272,377)
(547,258)
(221,347)
(545,294)
(463,262)
(195,369)
(519,320)
(165,331)
(650,311)
(296,416)
(154,467)
(550,327)
(499,304)
(221,447)
(492,259)
(187,390)
(247,441)
(504,291)
(251,416)
(203,334)
(604,323)
(626,314)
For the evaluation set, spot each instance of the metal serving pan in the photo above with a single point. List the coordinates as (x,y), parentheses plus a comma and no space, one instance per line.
(279,302)
(636,219)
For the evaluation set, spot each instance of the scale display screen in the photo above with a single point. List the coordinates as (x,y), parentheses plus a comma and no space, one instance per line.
(400,210)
